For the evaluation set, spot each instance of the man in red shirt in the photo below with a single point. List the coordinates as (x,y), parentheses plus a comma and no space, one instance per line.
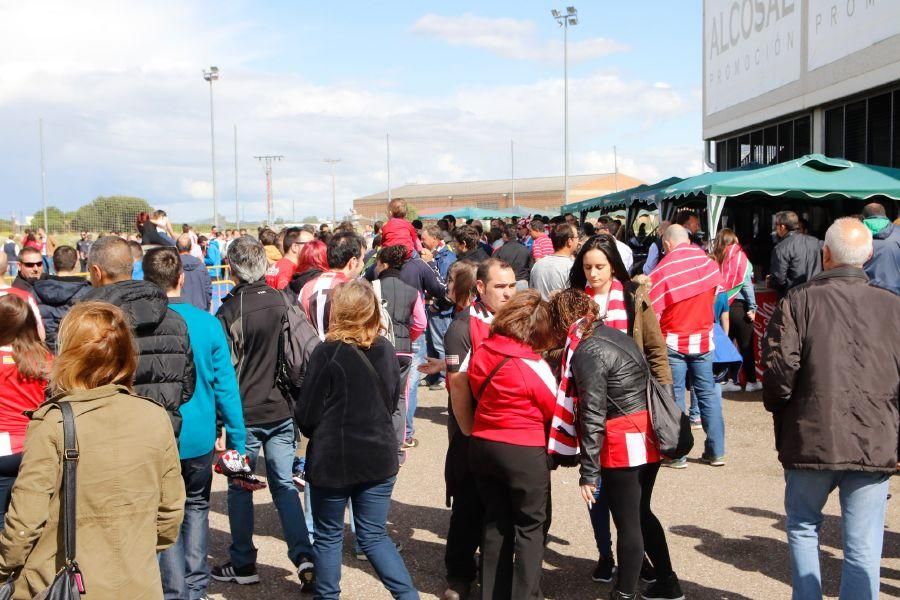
(280,274)
(683,291)
(542,245)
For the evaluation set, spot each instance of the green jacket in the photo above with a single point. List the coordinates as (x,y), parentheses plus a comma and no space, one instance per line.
(130,499)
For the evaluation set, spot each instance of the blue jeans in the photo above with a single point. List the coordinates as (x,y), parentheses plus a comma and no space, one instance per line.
(412,384)
(600,522)
(278,444)
(13,269)
(371,503)
(704,392)
(183,566)
(863,501)
(438,324)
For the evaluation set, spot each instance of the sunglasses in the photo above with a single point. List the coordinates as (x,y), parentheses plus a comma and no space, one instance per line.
(33,264)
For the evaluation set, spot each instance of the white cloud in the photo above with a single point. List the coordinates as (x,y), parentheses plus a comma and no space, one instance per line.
(110,129)
(510,38)
(200,190)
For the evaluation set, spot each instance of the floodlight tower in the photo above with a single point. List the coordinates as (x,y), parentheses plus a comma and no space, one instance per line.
(211,76)
(570,17)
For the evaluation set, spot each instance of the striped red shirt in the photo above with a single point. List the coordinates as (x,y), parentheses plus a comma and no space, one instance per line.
(541,247)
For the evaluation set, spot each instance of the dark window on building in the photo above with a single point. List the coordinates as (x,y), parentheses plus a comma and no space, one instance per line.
(744,143)
(834,132)
(777,143)
(785,142)
(721,153)
(770,143)
(855,131)
(866,130)
(756,141)
(878,131)
(732,162)
(802,137)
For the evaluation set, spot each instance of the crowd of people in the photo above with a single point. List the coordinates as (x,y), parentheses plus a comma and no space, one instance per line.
(546,334)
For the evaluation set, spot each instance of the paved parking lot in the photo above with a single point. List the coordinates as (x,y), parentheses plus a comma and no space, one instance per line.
(725,526)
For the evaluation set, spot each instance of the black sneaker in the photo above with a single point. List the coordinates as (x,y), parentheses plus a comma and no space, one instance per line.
(603,572)
(617,595)
(667,588)
(306,572)
(231,574)
(648,573)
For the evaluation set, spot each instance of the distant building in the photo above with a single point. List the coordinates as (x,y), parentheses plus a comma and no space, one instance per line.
(539,194)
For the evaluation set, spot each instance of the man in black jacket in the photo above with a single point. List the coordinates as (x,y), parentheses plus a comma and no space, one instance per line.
(467,247)
(517,255)
(832,379)
(58,293)
(796,258)
(165,369)
(252,317)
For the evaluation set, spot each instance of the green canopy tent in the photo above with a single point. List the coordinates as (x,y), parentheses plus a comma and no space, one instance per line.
(631,200)
(813,177)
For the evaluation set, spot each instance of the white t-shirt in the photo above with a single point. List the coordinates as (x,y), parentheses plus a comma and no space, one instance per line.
(626,254)
(551,273)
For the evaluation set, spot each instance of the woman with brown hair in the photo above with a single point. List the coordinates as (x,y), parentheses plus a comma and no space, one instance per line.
(130,496)
(24,370)
(516,394)
(737,273)
(345,408)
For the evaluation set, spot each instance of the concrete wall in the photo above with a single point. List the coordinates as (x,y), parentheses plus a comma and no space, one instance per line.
(824,30)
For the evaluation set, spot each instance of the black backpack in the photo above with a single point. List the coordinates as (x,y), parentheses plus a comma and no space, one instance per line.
(296,342)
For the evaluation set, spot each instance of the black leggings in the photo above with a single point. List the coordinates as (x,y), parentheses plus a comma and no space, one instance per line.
(740,329)
(628,491)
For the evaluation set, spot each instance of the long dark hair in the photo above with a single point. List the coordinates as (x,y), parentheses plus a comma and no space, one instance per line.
(606,244)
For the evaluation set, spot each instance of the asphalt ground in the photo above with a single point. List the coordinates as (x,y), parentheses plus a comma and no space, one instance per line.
(725,525)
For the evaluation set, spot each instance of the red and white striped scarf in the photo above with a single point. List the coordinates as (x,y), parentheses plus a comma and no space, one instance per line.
(683,273)
(734,270)
(563,436)
(616,316)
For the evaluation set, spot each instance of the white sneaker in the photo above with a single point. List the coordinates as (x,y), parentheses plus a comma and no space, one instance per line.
(753,387)
(731,387)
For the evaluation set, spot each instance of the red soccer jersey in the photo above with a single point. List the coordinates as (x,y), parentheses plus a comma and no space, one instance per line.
(17,395)
(688,324)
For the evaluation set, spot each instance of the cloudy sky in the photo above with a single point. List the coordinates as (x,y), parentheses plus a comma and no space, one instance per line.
(125,108)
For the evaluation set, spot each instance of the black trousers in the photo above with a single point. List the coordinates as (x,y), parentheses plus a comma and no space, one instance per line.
(629,491)
(514,483)
(466,513)
(740,329)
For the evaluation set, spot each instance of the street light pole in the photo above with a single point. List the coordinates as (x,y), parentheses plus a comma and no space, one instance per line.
(210,76)
(332,162)
(43,191)
(570,17)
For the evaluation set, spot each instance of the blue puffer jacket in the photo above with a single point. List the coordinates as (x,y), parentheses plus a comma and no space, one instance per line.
(55,296)
(197,282)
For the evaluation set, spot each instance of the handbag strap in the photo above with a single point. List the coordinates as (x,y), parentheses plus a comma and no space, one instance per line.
(374,375)
(491,376)
(69,483)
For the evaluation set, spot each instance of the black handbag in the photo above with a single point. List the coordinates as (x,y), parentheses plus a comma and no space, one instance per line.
(68,583)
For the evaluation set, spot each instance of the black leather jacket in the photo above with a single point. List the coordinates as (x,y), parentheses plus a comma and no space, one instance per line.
(610,381)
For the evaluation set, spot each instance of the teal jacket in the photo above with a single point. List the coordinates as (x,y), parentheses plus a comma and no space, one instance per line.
(216,390)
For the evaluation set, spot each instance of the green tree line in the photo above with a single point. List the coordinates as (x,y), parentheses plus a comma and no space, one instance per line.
(104,213)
